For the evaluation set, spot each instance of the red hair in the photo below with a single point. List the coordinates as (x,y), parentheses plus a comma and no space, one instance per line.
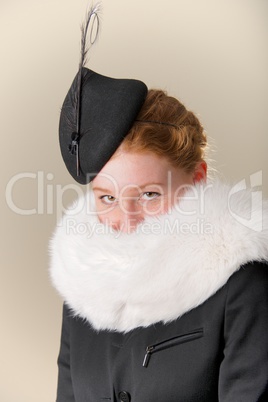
(182,139)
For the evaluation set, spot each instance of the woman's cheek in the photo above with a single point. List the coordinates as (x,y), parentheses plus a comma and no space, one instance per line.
(104,211)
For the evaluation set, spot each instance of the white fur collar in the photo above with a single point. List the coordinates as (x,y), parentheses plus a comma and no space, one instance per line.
(170,265)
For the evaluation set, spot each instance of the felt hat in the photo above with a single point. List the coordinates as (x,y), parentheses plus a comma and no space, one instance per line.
(108,109)
(96,115)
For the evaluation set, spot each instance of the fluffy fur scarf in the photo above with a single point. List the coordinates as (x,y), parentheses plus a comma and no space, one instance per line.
(171,263)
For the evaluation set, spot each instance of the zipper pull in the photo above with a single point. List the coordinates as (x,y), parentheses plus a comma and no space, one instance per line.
(147,356)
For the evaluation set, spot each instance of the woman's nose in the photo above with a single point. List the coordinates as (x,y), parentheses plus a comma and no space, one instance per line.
(131,215)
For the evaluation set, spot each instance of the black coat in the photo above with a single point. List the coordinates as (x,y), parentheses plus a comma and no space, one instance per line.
(216,352)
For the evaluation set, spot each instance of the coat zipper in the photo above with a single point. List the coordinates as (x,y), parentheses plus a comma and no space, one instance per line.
(169,343)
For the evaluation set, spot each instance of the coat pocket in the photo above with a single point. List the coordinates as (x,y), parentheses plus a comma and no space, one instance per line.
(169,343)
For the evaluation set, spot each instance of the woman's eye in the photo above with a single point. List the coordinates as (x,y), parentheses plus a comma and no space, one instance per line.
(107,199)
(149,195)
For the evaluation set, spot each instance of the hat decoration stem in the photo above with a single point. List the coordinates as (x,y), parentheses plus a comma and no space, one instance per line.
(93,18)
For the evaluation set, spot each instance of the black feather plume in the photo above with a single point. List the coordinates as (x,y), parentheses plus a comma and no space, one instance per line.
(92,18)
(72,111)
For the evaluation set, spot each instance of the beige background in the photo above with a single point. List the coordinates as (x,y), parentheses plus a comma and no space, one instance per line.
(213,54)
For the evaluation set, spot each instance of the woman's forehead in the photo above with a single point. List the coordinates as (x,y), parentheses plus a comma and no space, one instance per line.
(137,169)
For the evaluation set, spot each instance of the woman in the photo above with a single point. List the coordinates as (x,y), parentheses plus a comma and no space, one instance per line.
(163,275)
(176,308)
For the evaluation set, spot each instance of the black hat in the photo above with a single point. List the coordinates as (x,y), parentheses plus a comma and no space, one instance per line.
(96,116)
(108,109)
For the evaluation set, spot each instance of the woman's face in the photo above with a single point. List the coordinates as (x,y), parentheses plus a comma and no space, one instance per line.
(132,186)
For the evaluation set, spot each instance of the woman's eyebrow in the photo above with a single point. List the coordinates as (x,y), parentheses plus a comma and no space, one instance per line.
(104,190)
(151,184)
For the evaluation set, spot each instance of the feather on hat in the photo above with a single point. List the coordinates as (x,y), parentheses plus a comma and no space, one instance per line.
(97,114)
